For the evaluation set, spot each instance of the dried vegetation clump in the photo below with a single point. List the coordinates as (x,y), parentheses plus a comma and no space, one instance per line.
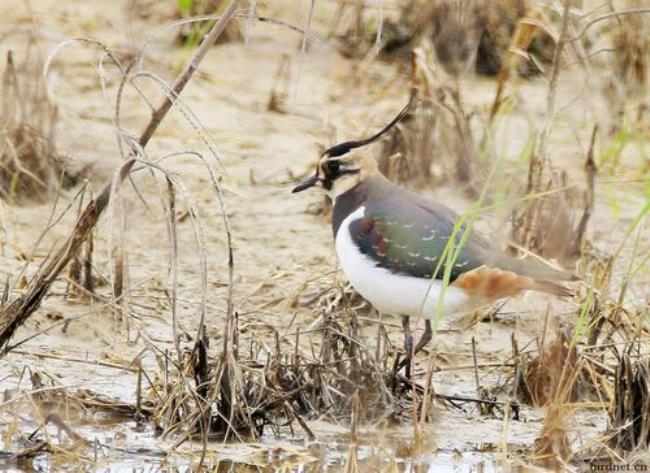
(601,365)
(241,389)
(632,52)
(536,379)
(466,35)
(273,382)
(630,413)
(435,143)
(551,224)
(627,85)
(30,166)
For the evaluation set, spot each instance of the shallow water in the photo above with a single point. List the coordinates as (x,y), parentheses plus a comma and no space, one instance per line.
(323,456)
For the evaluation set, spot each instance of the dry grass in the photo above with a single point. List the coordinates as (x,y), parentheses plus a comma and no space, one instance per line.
(631,53)
(30,166)
(434,143)
(467,36)
(540,376)
(629,415)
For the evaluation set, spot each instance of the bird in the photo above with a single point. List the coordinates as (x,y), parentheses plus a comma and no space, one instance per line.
(393,245)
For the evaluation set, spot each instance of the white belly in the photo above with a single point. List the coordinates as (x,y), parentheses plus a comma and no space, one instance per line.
(392,293)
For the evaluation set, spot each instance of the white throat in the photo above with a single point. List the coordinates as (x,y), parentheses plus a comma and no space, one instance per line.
(342,185)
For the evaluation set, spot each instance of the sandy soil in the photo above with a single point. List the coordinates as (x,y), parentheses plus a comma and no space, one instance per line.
(283,251)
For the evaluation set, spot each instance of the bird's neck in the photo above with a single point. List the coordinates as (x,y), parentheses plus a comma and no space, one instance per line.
(348,202)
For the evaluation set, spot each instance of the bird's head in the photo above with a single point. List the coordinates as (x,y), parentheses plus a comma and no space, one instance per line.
(341,167)
(338,174)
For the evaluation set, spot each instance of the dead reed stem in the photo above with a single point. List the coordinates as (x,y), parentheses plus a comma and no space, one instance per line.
(29,161)
(591,170)
(607,16)
(181,81)
(541,153)
(631,408)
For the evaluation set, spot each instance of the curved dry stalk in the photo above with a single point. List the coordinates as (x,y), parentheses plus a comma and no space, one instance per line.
(229,241)
(191,117)
(199,237)
(119,271)
(173,236)
(198,127)
(121,133)
(201,18)
(252,7)
(103,85)
(179,83)
(303,46)
(101,73)
(57,48)
(606,16)
(380,25)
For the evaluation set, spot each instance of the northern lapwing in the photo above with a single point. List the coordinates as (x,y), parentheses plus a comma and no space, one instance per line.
(390,242)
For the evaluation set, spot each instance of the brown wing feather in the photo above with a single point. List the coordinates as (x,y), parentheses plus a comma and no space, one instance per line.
(495,283)
(526,267)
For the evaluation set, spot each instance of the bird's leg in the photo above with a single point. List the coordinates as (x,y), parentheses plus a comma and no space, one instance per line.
(408,345)
(426,338)
(408,337)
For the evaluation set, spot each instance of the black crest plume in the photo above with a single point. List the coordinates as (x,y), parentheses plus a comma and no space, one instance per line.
(345,147)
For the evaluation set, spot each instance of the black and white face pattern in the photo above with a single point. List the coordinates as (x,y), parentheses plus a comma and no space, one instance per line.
(334,174)
(332,170)
(338,169)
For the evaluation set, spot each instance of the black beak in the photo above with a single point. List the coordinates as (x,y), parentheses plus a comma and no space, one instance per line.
(306,184)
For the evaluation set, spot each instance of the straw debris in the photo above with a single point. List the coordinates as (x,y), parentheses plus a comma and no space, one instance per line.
(30,166)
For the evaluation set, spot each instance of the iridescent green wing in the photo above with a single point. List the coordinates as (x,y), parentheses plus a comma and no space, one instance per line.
(411,240)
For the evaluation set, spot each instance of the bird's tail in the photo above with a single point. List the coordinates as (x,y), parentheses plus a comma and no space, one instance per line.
(528,267)
(551,288)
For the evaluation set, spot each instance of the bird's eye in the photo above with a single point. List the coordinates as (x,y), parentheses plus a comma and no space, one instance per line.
(333,168)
